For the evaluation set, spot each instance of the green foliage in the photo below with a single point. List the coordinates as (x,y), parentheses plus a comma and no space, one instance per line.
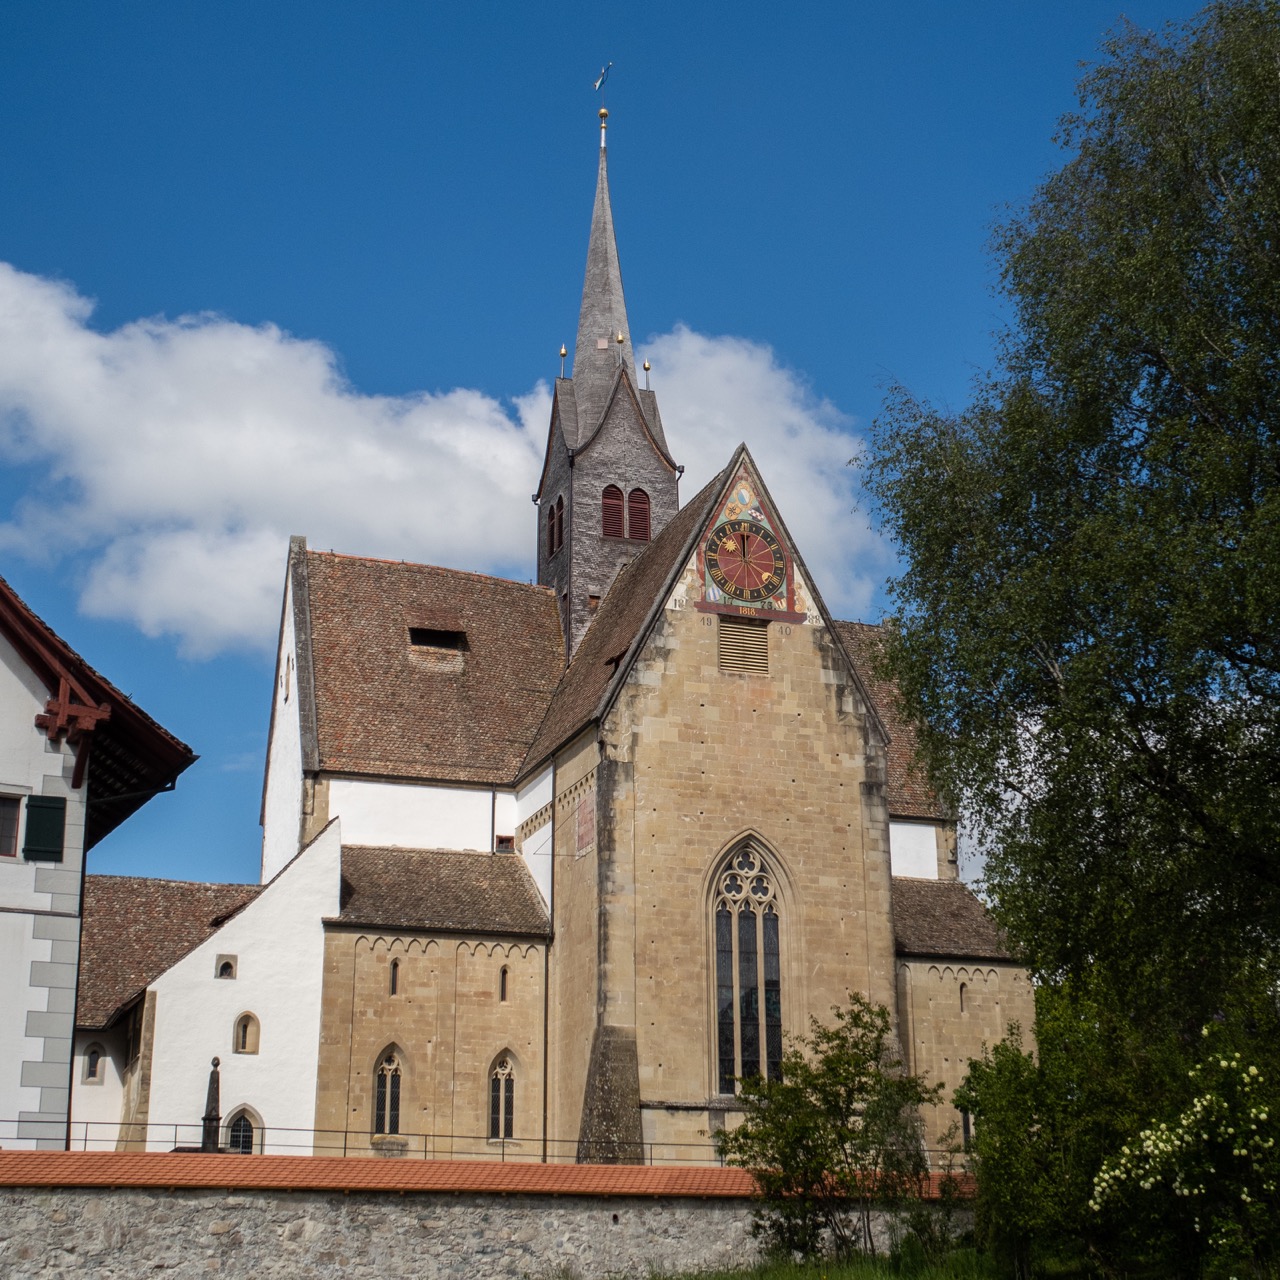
(1089,634)
(1043,1125)
(1207,1181)
(836,1137)
(1089,617)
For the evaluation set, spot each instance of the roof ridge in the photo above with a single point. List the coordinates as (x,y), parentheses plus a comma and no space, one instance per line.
(195,884)
(437,568)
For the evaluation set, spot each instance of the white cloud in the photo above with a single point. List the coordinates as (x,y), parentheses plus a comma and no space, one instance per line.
(175,458)
(715,392)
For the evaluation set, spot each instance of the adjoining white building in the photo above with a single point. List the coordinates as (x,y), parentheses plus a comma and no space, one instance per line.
(77,758)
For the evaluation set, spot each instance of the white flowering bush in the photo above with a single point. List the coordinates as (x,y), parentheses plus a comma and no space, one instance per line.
(1214,1169)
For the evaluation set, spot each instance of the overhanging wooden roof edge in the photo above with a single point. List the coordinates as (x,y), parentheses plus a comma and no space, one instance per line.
(138,756)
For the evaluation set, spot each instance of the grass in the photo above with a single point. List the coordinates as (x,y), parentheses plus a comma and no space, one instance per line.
(962,1264)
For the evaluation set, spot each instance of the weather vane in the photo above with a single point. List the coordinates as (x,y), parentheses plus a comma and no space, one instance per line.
(599,84)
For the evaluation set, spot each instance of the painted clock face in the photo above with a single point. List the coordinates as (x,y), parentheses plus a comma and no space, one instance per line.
(745,561)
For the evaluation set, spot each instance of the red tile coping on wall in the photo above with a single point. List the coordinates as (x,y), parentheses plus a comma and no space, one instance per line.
(319,1173)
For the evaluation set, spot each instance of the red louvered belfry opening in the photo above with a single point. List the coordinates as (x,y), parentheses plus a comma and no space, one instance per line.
(638,515)
(559,523)
(611,512)
(551,530)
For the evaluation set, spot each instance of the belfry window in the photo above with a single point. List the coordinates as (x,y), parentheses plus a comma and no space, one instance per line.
(502,1099)
(611,517)
(386,1102)
(638,515)
(748,970)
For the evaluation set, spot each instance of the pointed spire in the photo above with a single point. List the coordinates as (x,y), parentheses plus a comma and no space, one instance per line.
(604,312)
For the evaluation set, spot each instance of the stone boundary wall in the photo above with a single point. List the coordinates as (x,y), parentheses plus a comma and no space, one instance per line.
(121,1215)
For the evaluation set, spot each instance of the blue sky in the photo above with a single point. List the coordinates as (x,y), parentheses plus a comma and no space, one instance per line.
(278,268)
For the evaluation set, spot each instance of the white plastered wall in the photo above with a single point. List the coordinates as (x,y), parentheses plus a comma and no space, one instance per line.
(418,815)
(278,945)
(913,849)
(282,790)
(39,923)
(535,846)
(95,1107)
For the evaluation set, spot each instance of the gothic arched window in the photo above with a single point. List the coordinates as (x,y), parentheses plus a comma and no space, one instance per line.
(386,1101)
(748,969)
(502,1099)
(638,515)
(559,523)
(551,530)
(241,1137)
(611,518)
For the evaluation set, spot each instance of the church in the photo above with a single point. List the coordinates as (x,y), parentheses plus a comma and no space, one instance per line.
(548,868)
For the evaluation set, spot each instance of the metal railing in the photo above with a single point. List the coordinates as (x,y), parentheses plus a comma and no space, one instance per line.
(103,1135)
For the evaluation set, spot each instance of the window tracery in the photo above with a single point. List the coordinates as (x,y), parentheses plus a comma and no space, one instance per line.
(386,1104)
(748,969)
(502,1099)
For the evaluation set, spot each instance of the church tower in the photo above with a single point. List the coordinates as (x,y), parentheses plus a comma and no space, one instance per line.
(609,483)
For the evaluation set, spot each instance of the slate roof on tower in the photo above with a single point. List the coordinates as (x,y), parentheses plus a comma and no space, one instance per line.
(386,707)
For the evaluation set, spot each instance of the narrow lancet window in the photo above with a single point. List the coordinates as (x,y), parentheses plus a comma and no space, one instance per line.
(394,983)
(748,996)
(386,1104)
(502,1100)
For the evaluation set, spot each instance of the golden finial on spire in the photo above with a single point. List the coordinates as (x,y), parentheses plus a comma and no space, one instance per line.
(598,87)
(564,351)
(647,367)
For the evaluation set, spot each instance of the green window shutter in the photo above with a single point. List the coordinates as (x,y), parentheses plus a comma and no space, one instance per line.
(46,825)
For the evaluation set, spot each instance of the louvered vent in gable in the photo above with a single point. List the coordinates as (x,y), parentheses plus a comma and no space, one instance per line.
(744,645)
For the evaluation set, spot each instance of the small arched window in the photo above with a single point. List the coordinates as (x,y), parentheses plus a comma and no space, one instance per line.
(638,515)
(748,969)
(242,1138)
(502,1099)
(245,1036)
(502,984)
(559,523)
(551,530)
(963,991)
(94,1064)
(386,1102)
(394,982)
(611,520)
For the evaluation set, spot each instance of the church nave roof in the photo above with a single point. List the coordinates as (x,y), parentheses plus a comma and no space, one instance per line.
(441,891)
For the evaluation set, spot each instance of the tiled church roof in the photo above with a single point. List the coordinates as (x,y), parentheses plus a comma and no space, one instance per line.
(621,615)
(943,918)
(135,928)
(438,889)
(909,792)
(383,708)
